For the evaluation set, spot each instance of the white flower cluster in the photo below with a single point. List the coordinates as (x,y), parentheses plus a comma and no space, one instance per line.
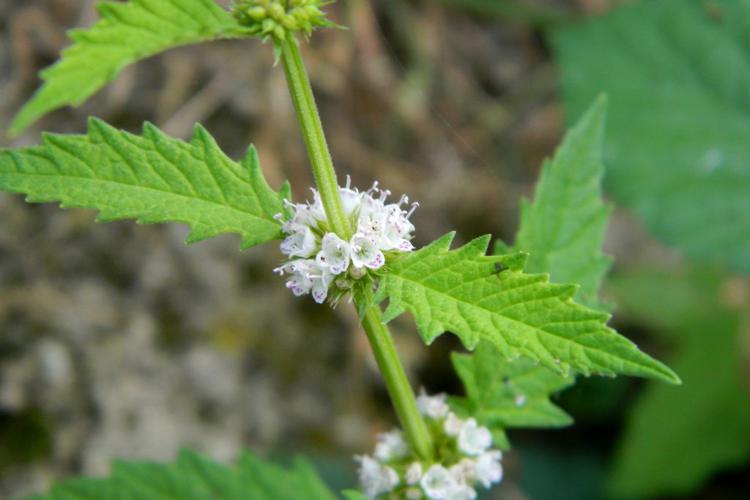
(391,470)
(318,258)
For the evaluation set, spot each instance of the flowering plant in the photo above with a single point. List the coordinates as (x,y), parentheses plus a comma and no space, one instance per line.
(528,336)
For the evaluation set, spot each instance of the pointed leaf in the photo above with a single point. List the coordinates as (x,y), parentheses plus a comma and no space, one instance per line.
(126,33)
(465,291)
(563,229)
(150,178)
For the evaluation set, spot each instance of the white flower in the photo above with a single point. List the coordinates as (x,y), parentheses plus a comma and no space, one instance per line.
(375,477)
(437,482)
(365,253)
(461,492)
(432,406)
(321,280)
(334,254)
(397,229)
(453,425)
(390,446)
(413,473)
(473,439)
(319,257)
(488,468)
(300,281)
(301,243)
(464,471)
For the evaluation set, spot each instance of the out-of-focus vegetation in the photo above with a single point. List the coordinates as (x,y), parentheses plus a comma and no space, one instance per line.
(117,341)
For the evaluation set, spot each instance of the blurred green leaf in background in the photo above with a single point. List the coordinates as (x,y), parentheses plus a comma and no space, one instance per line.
(677,436)
(678,145)
(194,476)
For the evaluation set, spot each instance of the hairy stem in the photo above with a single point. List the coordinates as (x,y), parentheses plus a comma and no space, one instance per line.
(315,139)
(378,334)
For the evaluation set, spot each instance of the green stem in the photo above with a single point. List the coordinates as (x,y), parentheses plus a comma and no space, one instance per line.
(397,383)
(315,139)
(378,334)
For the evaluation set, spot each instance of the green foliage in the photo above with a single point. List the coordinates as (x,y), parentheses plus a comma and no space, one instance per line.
(481,297)
(678,77)
(193,477)
(150,178)
(563,229)
(677,436)
(504,395)
(126,33)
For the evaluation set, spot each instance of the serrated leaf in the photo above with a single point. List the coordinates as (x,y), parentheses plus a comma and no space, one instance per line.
(563,229)
(677,74)
(126,33)
(676,437)
(463,291)
(503,395)
(194,477)
(151,178)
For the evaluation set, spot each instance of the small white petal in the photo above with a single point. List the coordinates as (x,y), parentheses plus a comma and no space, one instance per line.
(461,492)
(474,439)
(437,482)
(375,477)
(453,425)
(391,445)
(300,243)
(432,406)
(464,471)
(413,473)
(488,468)
(364,252)
(334,254)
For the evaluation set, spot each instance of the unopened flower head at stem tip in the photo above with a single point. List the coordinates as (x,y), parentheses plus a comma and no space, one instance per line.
(277,18)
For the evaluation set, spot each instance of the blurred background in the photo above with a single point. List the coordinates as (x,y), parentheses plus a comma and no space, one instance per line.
(118,341)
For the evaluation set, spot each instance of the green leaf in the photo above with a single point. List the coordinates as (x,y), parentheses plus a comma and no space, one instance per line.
(676,437)
(126,33)
(193,477)
(151,178)
(563,229)
(503,395)
(677,74)
(481,297)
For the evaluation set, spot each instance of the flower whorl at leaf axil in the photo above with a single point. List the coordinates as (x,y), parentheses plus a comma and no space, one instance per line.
(319,260)
(464,459)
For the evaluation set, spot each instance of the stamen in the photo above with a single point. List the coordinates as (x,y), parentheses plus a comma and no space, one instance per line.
(414,206)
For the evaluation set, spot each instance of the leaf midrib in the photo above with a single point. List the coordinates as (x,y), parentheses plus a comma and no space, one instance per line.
(263,218)
(537,329)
